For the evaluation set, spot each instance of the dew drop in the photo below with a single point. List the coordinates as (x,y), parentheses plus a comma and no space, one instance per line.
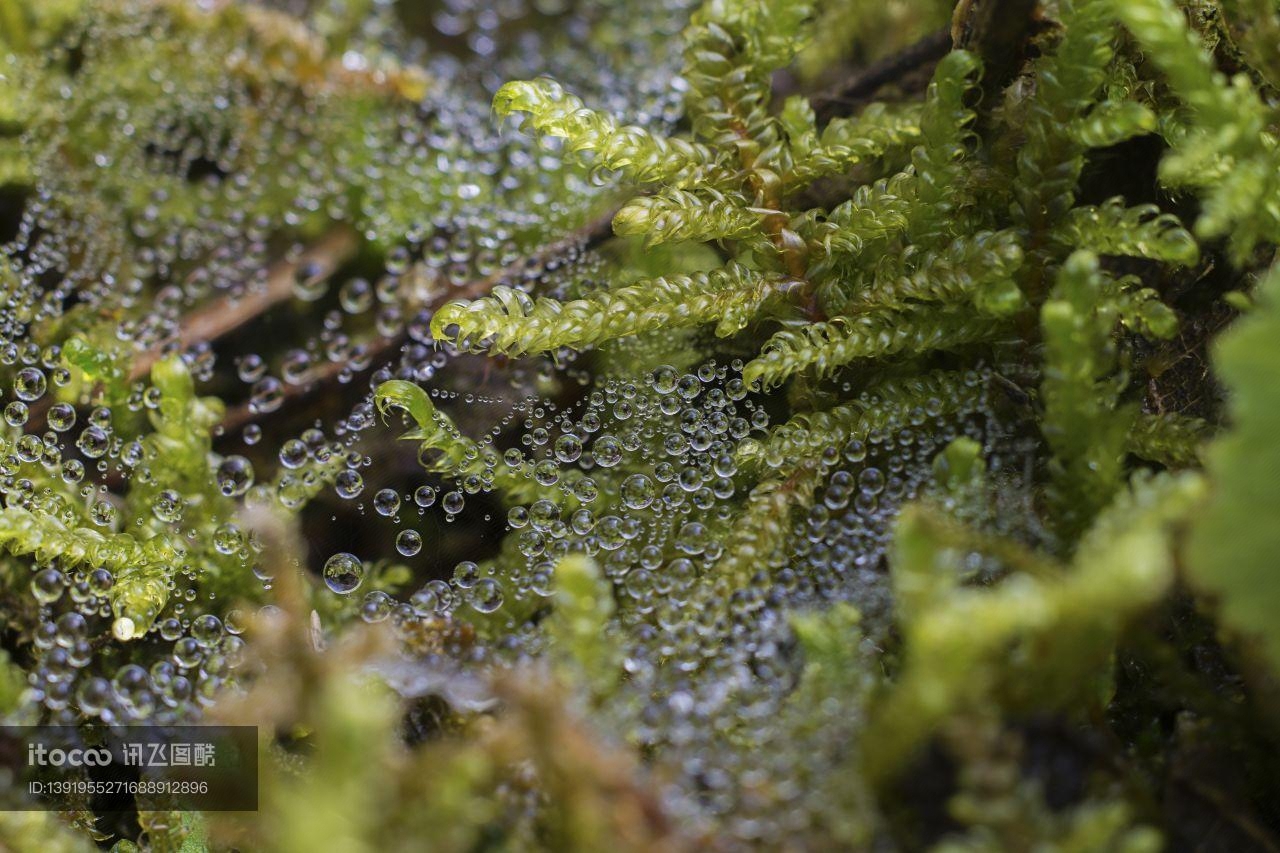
(343,573)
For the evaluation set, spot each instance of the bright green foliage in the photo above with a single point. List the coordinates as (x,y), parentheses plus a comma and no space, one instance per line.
(893,403)
(1227,556)
(939,161)
(678,215)
(1112,122)
(98,365)
(1223,146)
(891,246)
(829,346)
(1050,161)
(727,67)
(731,48)
(639,155)
(977,268)
(454,453)
(579,628)
(845,142)
(1080,392)
(757,540)
(145,556)
(874,215)
(1173,440)
(510,321)
(435,430)
(1138,232)
(1067,625)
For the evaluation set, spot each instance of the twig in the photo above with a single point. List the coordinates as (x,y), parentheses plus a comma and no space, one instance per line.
(843,99)
(997,31)
(588,236)
(229,313)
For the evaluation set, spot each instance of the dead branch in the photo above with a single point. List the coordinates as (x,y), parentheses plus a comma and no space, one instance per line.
(586,237)
(847,96)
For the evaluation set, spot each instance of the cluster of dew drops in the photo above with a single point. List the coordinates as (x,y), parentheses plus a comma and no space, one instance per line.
(75,458)
(196,182)
(644,477)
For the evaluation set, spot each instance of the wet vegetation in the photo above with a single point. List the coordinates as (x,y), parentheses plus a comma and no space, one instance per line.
(597,425)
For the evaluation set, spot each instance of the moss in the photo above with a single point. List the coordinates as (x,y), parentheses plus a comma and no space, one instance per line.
(780,470)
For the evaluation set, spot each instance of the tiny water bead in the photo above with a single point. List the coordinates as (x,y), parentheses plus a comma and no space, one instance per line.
(227,538)
(386,502)
(293,453)
(29,384)
(93,442)
(124,628)
(62,417)
(168,506)
(15,413)
(486,595)
(568,448)
(234,476)
(349,484)
(343,573)
(408,542)
(377,606)
(638,492)
(170,629)
(250,367)
(207,630)
(47,586)
(607,451)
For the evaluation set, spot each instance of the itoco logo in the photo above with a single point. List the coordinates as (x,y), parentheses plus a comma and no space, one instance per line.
(40,755)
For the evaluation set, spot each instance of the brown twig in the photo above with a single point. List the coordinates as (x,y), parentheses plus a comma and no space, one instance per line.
(230,313)
(891,69)
(588,236)
(227,314)
(997,31)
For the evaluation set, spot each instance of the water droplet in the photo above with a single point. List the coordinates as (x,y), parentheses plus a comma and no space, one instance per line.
(408,542)
(234,476)
(386,502)
(638,491)
(343,573)
(348,484)
(29,384)
(486,596)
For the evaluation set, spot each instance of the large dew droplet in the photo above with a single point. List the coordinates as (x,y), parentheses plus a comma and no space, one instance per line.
(343,573)
(234,476)
(409,542)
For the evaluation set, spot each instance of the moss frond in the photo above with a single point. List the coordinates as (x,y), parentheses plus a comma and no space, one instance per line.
(511,322)
(826,347)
